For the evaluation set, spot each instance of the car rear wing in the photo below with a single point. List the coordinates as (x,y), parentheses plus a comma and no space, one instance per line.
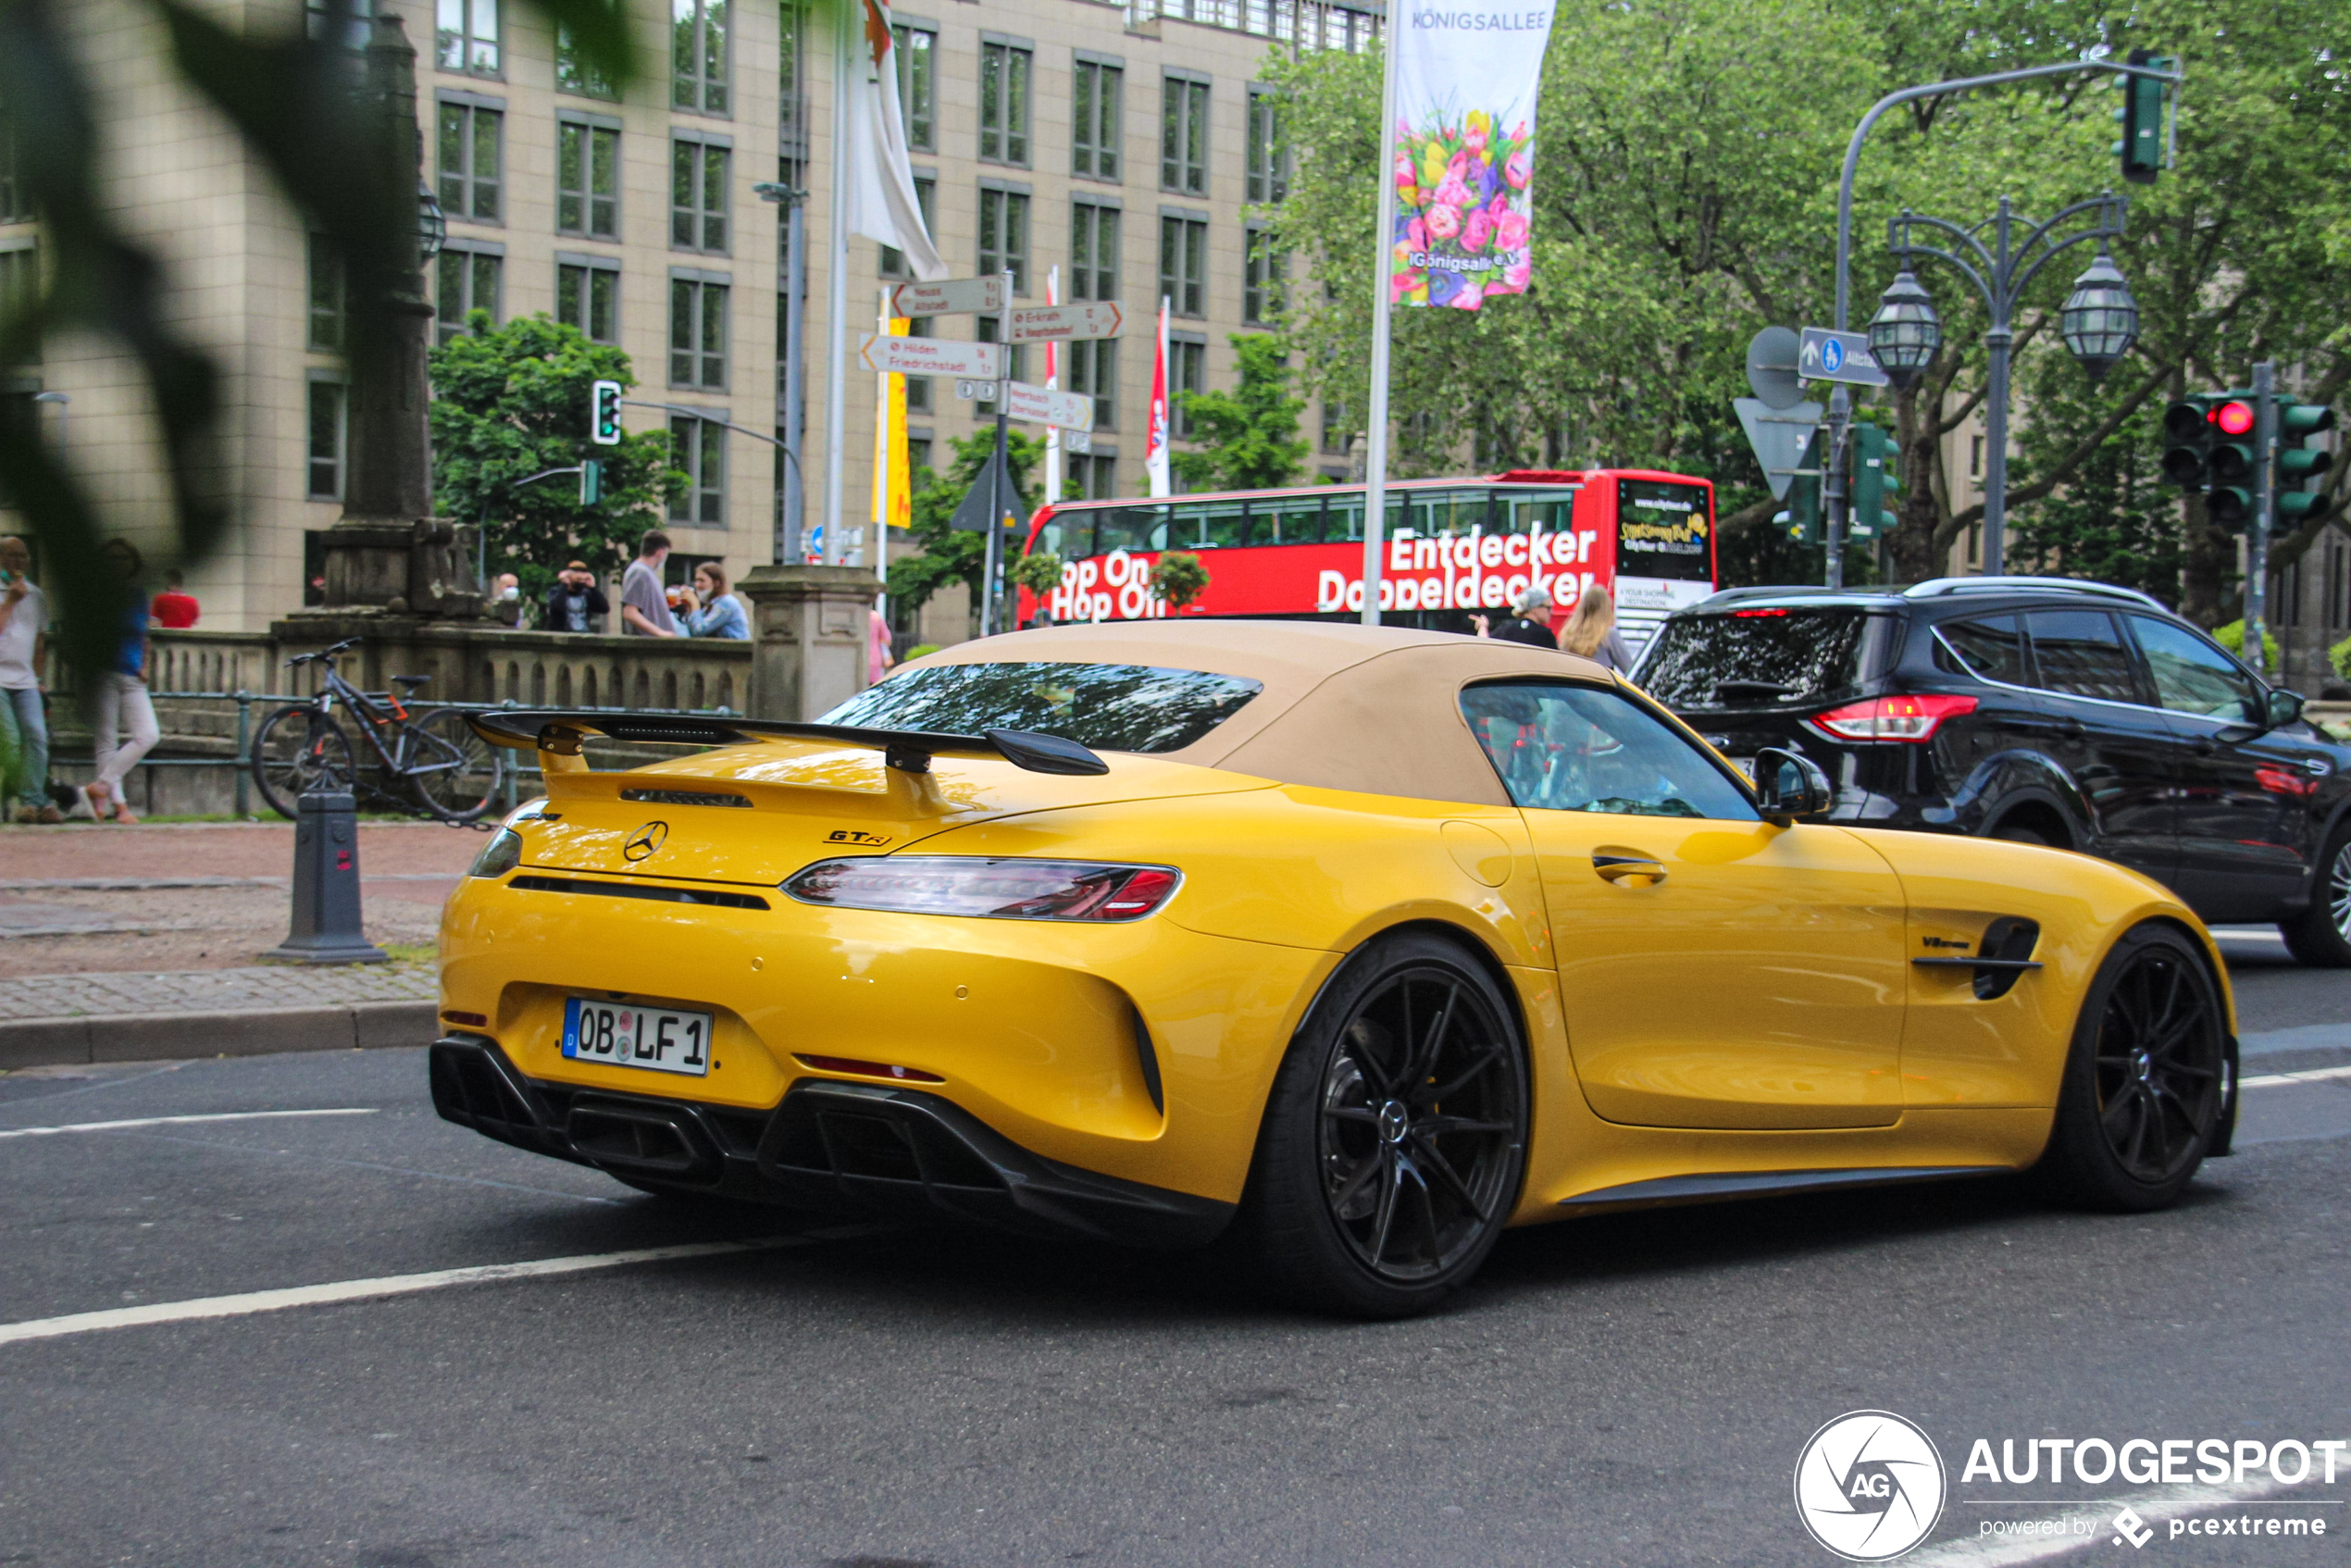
(560,732)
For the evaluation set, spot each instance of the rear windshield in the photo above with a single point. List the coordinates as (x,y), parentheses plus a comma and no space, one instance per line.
(1758,658)
(1108,707)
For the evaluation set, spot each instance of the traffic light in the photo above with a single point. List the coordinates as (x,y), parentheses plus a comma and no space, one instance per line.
(1876,476)
(1803,512)
(591,482)
(2300,468)
(604,420)
(2141,148)
(2187,430)
(2230,462)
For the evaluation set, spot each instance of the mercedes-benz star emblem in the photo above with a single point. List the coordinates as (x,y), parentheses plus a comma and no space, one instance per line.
(646,840)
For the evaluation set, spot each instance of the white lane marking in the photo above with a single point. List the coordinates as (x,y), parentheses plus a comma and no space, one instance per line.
(180,1121)
(2156,1507)
(361,1289)
(2271,1080)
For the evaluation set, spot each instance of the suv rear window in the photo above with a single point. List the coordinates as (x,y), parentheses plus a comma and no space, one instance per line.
(1763,657)
(1108,707)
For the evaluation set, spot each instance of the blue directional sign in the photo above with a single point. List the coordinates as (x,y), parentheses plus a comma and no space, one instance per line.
(1826,356)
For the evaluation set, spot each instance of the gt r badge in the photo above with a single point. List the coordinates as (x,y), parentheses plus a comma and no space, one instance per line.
(855,836)
(646,840)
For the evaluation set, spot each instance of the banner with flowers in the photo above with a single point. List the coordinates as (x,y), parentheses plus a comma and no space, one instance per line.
(1466,77)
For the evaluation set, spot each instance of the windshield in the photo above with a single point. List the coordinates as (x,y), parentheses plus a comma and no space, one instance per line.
(1662,531)
(1757,658)
(1107,707)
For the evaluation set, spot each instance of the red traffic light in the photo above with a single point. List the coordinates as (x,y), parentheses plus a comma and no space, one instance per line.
(2234,417)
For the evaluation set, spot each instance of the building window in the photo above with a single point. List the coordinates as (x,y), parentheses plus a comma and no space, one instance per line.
(1337,431)
(1264,279)
(1183,135)
(472,153)
(1268,148)
(15,201)
(1976,460)
(316,15)
(1099,88)
(326,433)
(587,297)
(697,333)
(917,454)
(326,304)
(698,56)
(574,74)
(917,87)
(1186,372)
(1004,235)
(698,447)
(587,181)
(1093,251)
(1089,477)
(1093,370)
(468,281)
(696,196)
(1183,263)
(893,261)
(1003,104)
(918,387)
(467,34)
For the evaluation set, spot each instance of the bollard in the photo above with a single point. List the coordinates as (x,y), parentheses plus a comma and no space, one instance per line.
(326,885)
(245,753)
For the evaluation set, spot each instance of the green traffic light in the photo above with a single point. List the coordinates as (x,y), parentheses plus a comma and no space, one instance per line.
(2141,149)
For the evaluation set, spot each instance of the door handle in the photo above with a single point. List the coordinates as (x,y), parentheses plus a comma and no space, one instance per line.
(1628,871)
(2072,729)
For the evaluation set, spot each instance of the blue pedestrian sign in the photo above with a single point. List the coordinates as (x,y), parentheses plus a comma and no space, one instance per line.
(1826,355)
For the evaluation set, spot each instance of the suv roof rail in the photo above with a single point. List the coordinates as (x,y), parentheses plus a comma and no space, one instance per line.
(1941,585)
(1791,591)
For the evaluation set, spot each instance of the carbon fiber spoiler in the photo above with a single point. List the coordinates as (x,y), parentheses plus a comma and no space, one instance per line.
(561,731)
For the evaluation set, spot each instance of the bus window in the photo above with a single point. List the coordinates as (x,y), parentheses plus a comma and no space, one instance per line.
(1343,518)
(1219,523)
(1524,511)
(1130,528)
(1448,513)
(1069,535)
(1287,521)
(1662,530)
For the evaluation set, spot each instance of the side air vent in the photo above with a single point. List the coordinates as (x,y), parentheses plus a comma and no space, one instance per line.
(582,885)
(685,798)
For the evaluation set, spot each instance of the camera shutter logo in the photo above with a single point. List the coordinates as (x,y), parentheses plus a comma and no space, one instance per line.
(1870,1486)
(646,840)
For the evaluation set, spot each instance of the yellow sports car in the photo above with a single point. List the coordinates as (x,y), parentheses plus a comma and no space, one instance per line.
(1359,944)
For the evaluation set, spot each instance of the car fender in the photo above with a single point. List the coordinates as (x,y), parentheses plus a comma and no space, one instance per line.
(2005,780)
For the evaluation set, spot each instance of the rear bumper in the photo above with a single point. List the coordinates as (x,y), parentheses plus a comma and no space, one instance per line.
(830,1147)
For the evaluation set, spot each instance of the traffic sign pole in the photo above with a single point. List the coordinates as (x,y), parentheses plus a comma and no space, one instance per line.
(992,567)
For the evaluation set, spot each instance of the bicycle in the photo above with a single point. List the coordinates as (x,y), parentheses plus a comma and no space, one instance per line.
(450,772)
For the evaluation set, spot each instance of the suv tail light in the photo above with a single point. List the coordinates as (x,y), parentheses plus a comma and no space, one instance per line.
(1004,889)
(1911,718)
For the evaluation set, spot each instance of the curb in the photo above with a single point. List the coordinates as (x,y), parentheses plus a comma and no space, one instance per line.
(150,1037)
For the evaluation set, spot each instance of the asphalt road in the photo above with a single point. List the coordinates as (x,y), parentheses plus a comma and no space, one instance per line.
(1632,1390)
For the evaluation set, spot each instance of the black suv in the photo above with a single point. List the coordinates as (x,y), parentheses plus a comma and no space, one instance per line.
(2045,710)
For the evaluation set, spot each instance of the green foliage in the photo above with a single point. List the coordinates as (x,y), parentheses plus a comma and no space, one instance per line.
(946,554)
(1177,579)
(919,649)
(1250,433)
(2339,656)
(1040,573)
(2231,637)
(513,400)
(2118,520)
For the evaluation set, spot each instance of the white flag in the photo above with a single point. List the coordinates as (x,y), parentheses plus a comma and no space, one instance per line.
(881,180)
(1155,436)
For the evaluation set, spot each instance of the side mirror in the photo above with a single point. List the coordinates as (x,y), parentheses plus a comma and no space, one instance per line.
(1788,786)
(2286,707)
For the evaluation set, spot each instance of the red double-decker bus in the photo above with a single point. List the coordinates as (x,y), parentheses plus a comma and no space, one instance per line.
(1454,548)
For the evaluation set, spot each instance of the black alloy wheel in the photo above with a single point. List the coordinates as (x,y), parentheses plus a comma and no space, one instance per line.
(1396,1136)
(2147,1082)
(2320,935)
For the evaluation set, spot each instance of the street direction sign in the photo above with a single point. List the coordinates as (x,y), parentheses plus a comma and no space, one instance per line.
(1077,441)
(1771,367)
(950,298)
(1826,356)
(1036,323)
(929,357)
(1778,436)
(1070,411)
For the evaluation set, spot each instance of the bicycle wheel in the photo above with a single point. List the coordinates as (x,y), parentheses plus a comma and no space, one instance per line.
(453,770)
(298,749)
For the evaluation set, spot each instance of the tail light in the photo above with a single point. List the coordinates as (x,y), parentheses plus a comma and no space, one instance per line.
(1002,889)
(1913,717)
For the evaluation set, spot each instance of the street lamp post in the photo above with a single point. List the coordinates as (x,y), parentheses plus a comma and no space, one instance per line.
(2099,320)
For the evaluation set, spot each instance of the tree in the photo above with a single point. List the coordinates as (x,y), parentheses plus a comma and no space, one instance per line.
(1250,433)
(513,400)
(1177,579)
(947,554)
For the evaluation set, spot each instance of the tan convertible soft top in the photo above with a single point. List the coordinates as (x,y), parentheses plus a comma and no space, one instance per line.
(1345,706)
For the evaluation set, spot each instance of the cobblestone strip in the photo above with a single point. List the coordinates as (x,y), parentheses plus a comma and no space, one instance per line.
(208,990)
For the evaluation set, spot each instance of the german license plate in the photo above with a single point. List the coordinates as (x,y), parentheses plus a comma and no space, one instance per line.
(656,1038)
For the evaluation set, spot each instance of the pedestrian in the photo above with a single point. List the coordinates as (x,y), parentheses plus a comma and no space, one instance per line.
(711,611)
(879,647)
(1591,631)
(1530,621)
(122,699)
(575,602)
(24,728)
(175,608)
(644,607)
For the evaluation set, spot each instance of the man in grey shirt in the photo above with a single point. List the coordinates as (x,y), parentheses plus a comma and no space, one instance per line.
(644,607)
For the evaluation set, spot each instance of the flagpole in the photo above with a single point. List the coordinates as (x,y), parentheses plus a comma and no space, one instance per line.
(1053,383)
(837,295)
(1383,295)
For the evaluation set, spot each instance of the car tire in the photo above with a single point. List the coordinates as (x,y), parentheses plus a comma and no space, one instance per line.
(2320,936)
(2147,1081)
(1394,1142)
(2018,833)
